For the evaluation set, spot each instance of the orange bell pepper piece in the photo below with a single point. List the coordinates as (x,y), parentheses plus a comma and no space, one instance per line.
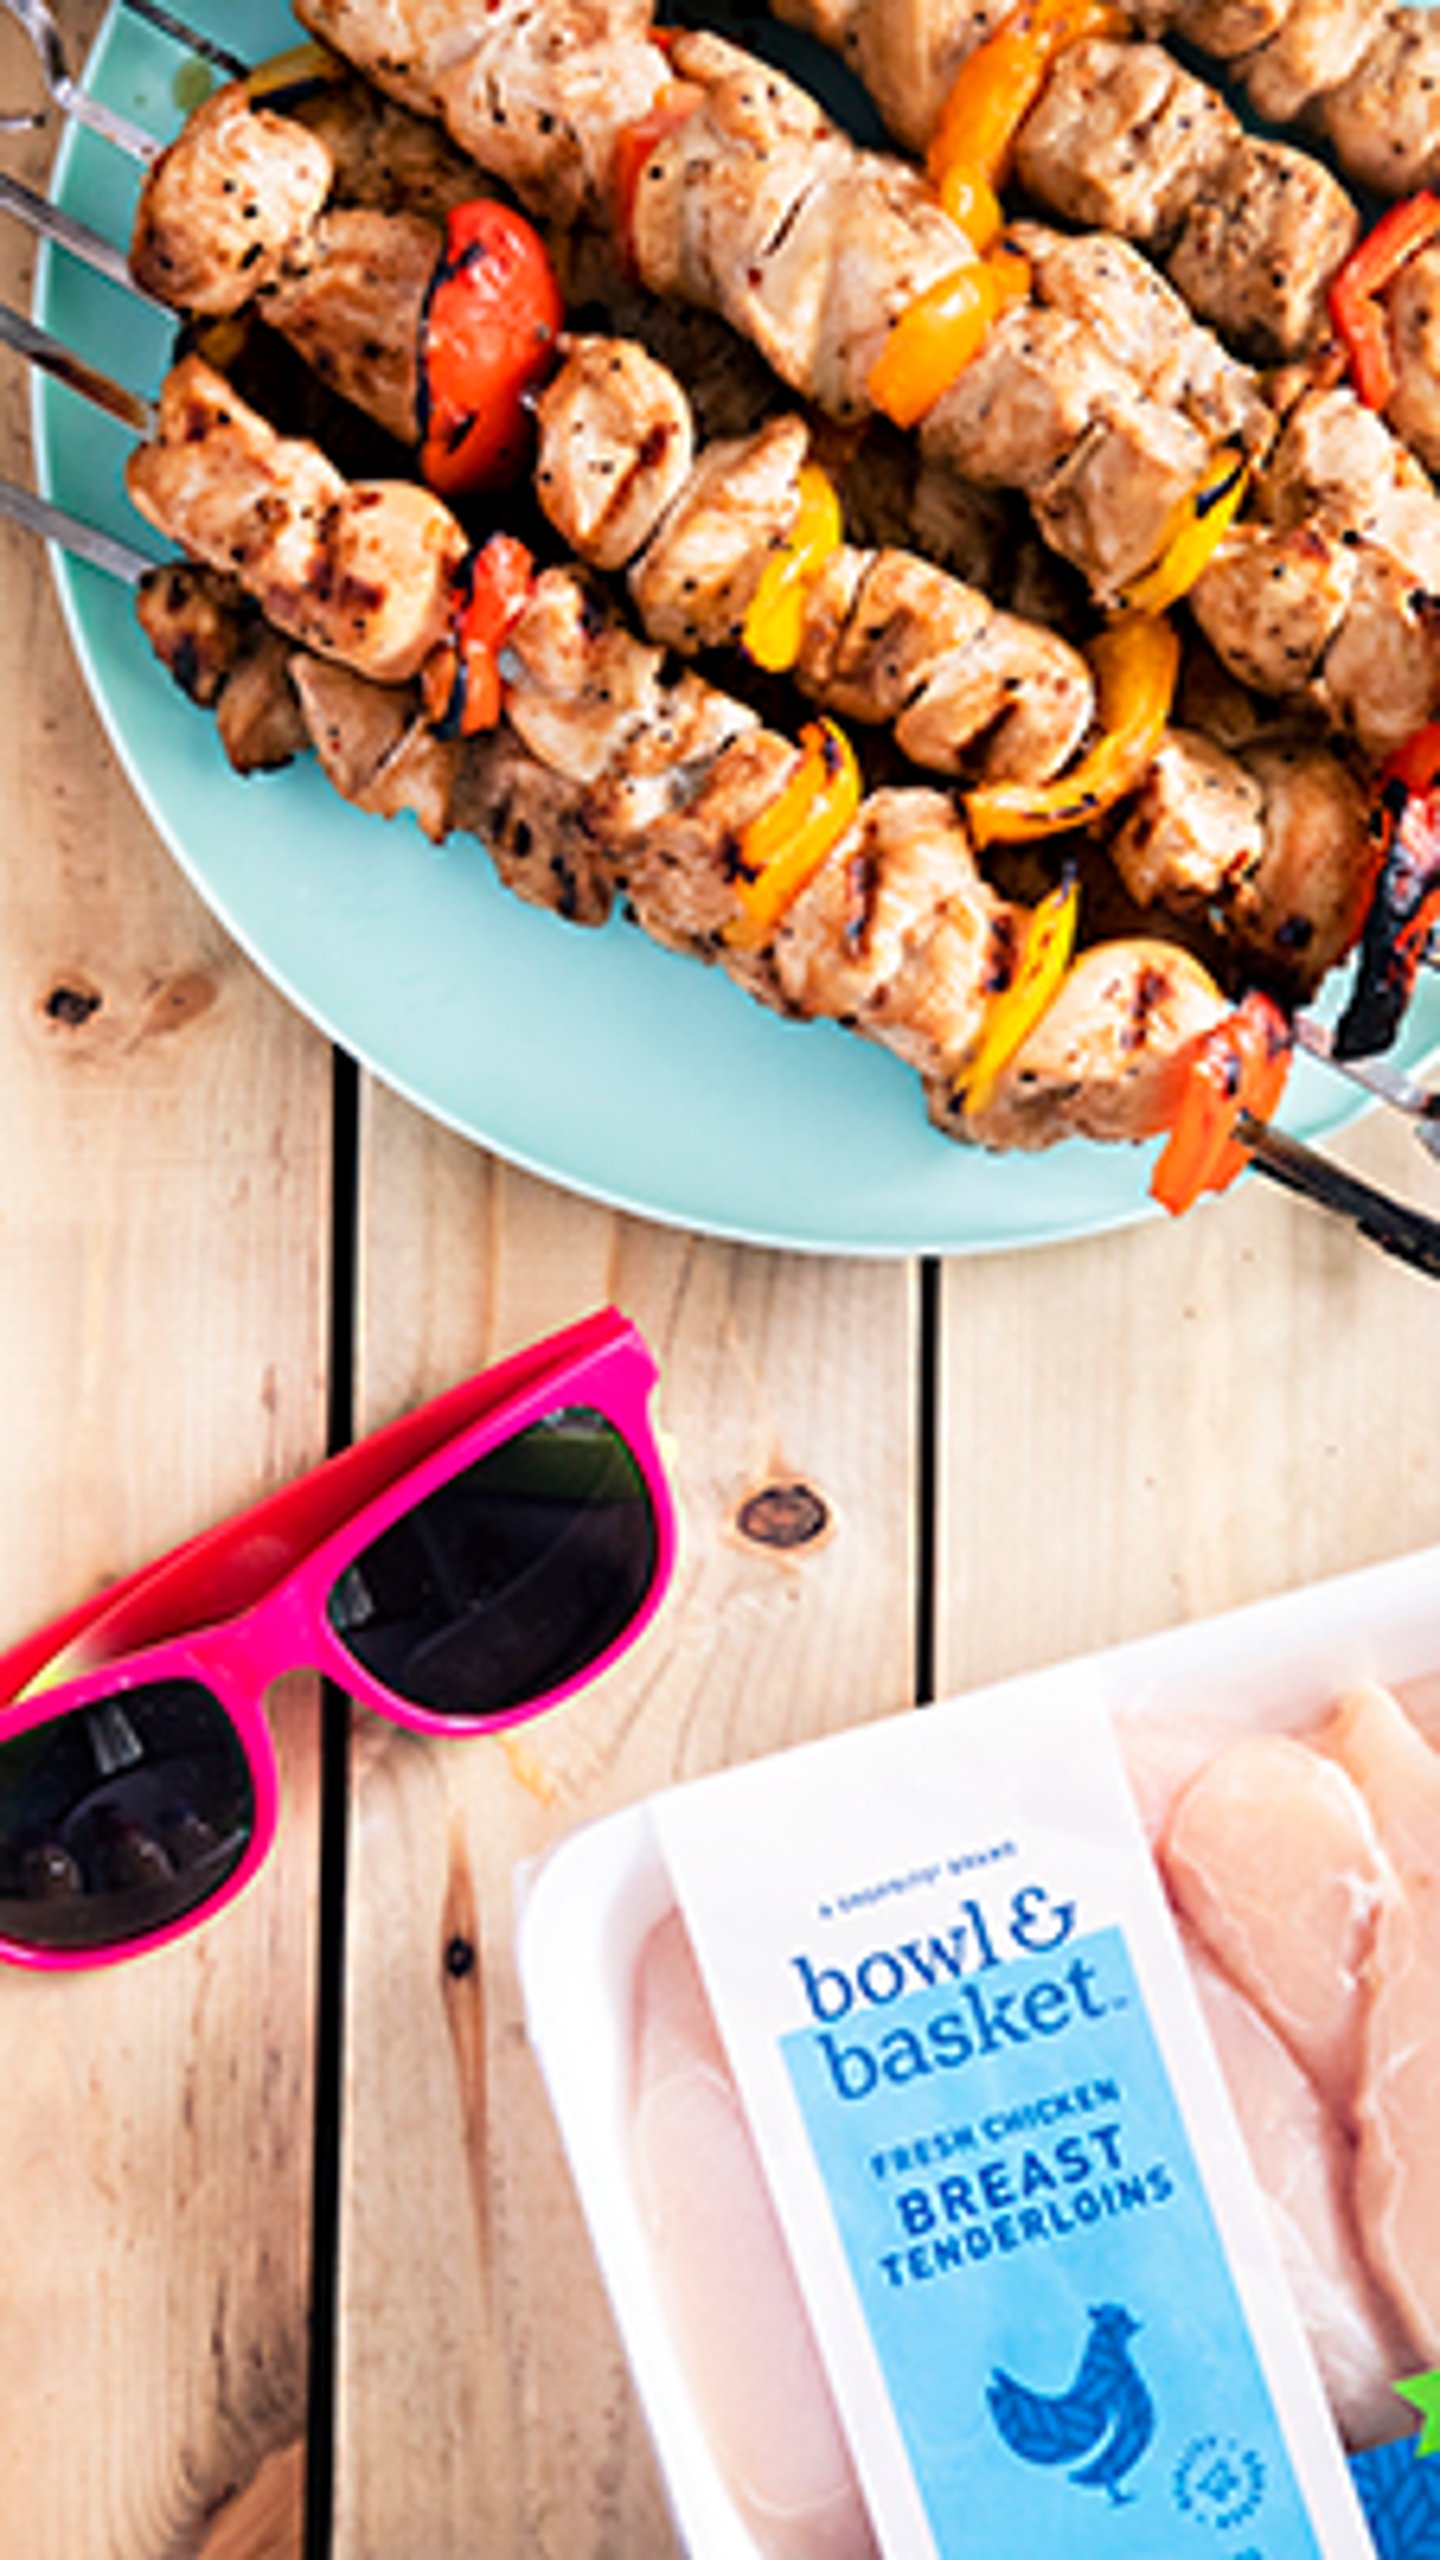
(1011,1016)
(1204,522)
(487,340)
(782,849)
(998,84)
(461,681)
(941,331)
(1136,663)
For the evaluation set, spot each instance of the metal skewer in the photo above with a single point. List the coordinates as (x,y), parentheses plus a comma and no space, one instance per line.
(52,524)
(299,67)
(39,25)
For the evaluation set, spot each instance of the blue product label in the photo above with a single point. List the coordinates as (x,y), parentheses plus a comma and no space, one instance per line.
(1069,2363)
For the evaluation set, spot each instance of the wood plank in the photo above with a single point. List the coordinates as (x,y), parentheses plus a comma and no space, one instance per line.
(484,2405)
(163,1237)
(1147,1427)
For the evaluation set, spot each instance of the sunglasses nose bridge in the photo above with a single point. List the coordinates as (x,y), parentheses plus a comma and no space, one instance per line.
(278,1636)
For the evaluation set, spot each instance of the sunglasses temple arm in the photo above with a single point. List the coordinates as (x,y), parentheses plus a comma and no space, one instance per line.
(23,1663)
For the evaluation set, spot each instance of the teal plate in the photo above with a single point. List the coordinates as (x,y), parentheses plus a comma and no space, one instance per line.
(592,1058)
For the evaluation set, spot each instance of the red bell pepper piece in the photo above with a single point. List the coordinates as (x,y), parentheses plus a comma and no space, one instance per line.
(1238,1066)
(487,339)
(1355,307)
(462,680)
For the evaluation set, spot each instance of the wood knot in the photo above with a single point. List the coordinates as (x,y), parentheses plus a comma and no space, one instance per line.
(459,1957)
(785,1515)
(72,1006)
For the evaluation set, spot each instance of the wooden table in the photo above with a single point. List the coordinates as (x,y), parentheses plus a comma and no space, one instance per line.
(288,2246)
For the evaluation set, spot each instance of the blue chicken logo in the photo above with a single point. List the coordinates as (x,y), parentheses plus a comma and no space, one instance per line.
(1107,2413)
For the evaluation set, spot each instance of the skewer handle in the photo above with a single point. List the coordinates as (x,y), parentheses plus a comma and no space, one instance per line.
(1419,1102)
(1406,1233)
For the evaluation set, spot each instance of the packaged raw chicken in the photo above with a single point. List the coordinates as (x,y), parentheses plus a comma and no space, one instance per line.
(1014,2122)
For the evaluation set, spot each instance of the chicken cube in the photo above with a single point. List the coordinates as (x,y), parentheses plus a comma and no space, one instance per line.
(1195,827)
(1257,251)
(1320,44)
(1381,120)
(1122,139)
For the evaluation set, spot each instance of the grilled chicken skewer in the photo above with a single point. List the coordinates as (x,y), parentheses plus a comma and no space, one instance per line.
(1363,74)
(1270,842)
(606,779)
(896,933)
(1100,399)
(350,289)
(1280,861)
(236,212)
(959,675)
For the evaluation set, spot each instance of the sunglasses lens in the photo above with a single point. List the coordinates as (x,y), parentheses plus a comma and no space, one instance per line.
(506,1581)
(121,1817)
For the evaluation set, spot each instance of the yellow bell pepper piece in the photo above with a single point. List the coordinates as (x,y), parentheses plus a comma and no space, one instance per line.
(1136,663)
(1012,1015)
(998,84)
(782,849)
(775,616)
(302,66)
(1205,520)
(941,331)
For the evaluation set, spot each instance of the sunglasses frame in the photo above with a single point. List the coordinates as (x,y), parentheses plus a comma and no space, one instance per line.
(241,1605)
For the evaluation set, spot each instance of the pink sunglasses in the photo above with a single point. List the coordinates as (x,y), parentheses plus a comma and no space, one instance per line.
(467,1566)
